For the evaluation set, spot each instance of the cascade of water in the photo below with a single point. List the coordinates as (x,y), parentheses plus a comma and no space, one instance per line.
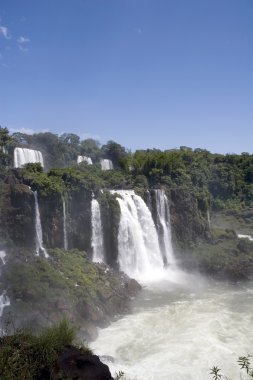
(106,164)
(208,218)
(164,227)
(24,156)
(138,246)
(38,228)
(65,237)
(84,159)
(2,257)
(4,299)
(97,241)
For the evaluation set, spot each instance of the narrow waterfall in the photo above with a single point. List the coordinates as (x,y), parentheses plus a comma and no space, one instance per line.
(208,218)
(106,164)
(138,245)
(38,228)
(2,257)
(65,237)
(84,159)
(4,299)
(97,241)
(164,227)
(24,156)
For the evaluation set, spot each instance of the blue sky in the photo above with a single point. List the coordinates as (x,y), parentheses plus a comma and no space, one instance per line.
(145,73)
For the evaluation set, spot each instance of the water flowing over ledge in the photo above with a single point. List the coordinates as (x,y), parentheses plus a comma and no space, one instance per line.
(144,249)
(24,156)
(38,228)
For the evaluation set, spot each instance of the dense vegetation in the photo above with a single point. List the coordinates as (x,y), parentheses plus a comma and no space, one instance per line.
(26,356)
(218,181)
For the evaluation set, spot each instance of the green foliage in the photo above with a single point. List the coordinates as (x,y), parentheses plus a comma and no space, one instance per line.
(119,375)
(24,355)
(244,363)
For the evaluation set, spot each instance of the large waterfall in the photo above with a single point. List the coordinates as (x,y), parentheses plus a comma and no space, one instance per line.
(138,245)
(24,156)
(106,164)
(163,225)
(38,228)
(97,242)
(84,159)
(65,237)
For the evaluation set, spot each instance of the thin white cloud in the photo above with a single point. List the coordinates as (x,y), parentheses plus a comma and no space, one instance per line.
(4,65)
(21,48)
(4,32)
(85,136)
(28,131)
(23,40)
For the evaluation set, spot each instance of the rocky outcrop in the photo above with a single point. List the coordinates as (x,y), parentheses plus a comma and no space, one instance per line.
(76,364)
(188,224)
(67,284)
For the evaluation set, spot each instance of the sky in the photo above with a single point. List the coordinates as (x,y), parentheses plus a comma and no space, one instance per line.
(144,73)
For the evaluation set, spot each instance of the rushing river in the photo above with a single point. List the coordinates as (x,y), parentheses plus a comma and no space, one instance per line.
(178,330)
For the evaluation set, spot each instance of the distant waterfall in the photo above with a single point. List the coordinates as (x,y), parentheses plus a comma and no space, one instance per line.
(24,156)
(4,299)
(84,159)
(208,218)
(65,237)
(2,257)
(38,228)
(163,225)
(138,245)
(106,164)
(97,242)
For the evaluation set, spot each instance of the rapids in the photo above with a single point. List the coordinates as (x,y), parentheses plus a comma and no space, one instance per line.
(178,330)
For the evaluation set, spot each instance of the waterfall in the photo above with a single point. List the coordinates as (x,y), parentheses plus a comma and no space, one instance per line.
(84,159)
(4,299)
(2,257)
(65,238)
(138,245)
(38,228)
(163,226)
(208,218)
(97,242)
(106,164)
(24,156)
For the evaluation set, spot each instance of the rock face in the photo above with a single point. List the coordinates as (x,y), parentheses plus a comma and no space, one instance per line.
(73,364)
(67,284)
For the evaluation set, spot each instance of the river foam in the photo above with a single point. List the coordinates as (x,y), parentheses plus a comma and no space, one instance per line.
(178,332)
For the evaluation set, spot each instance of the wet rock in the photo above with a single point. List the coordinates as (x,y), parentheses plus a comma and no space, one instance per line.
(133,287)
(76,364)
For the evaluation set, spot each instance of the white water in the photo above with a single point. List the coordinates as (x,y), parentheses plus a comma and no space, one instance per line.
(139,253)
(4,299)
(249,237)
(163,216)
(24,156)
(2,257)
(84,159)
(38,228)
(179,332)
(97,242)
(65,237)
(208,218)
(106,164)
